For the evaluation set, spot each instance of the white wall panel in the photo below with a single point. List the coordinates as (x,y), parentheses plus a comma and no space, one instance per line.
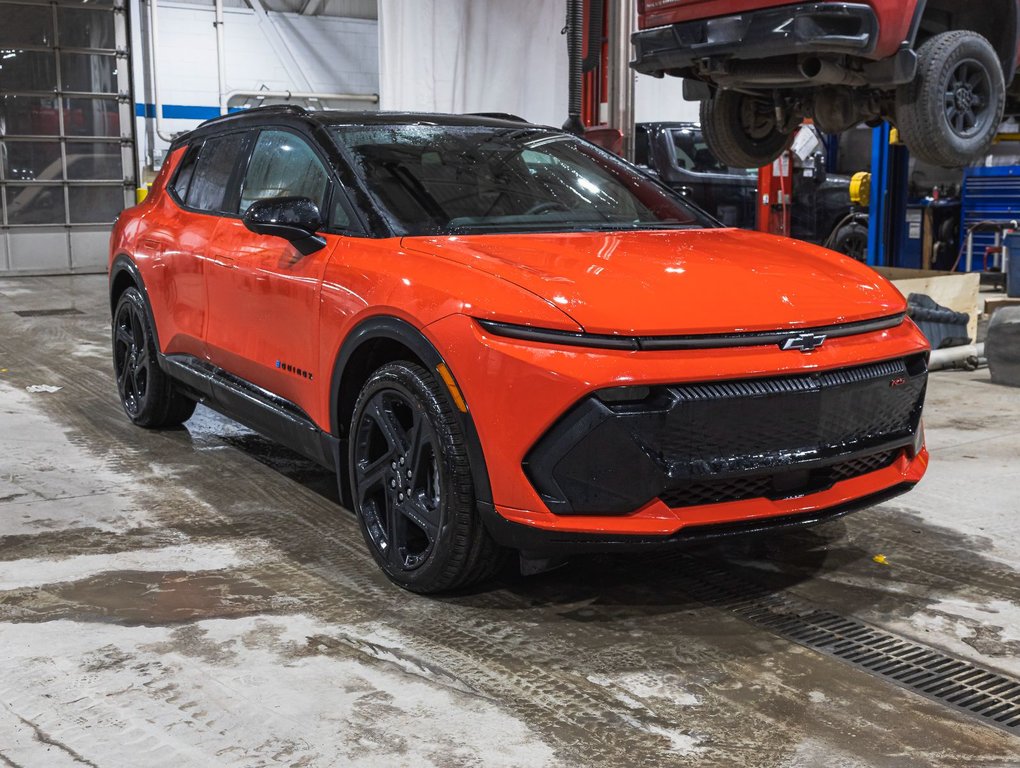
(474,56)
(661,100)
(335,55)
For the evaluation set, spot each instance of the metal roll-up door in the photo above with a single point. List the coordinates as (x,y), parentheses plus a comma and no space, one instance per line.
(66,123)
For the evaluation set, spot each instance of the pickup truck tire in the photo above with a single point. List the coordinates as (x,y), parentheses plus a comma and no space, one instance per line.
(949,114)
(741,130)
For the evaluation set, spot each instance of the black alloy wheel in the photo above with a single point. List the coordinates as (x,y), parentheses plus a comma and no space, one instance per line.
(411,483)
(149,397)
(967,98)
(397,477)
(131,361)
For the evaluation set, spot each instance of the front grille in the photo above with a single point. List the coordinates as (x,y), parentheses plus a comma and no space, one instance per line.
(712,442)
(758,424)
(776,486)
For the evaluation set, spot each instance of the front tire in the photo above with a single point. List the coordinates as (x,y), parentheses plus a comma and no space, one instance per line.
(741,130)
(851,240)
(148,395)
(411,484)
(949,114)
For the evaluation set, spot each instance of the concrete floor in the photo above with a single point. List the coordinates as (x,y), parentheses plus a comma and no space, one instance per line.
(197,598)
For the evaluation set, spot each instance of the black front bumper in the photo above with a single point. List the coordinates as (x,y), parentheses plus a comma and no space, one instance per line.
(696,444)
(840,28)
(542,543)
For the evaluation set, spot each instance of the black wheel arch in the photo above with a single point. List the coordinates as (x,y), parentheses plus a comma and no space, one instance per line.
(374,342)
(124,274)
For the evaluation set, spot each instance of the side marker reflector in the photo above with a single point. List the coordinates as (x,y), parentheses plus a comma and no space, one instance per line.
(447,377)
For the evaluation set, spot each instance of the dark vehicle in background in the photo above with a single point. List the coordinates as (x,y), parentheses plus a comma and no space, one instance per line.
(821,212)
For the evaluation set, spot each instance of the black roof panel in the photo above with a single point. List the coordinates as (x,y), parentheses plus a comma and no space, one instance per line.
(291,112)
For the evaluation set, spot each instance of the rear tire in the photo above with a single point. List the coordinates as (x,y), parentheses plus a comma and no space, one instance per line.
(949,114)
(741,130)
(411,484)
(147,394)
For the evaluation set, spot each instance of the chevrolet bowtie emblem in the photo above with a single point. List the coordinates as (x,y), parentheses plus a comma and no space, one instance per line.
(804,342)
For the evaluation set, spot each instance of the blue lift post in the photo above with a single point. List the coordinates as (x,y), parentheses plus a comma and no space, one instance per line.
(878,208)
(887,220)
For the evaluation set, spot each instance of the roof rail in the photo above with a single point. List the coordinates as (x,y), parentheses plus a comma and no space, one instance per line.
(290,109)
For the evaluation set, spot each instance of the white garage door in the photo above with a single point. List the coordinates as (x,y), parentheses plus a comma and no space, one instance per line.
(66,156)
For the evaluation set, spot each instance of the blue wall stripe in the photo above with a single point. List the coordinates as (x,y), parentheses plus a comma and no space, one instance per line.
(180,111)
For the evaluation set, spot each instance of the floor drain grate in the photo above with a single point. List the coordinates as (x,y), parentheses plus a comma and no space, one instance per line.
(991,697)
(48,312)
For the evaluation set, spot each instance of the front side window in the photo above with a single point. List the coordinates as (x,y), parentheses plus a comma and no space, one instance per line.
(283,165)
(213,169)
(430,179)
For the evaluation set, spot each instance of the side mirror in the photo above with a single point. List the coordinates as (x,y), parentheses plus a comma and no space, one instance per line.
(296,219)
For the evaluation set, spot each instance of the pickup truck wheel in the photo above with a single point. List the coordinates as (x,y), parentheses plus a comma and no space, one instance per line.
(411,484)
(148,395)
(741,130)
(851,240)
(949,114)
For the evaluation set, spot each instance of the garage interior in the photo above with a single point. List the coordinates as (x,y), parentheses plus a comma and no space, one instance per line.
(199,597)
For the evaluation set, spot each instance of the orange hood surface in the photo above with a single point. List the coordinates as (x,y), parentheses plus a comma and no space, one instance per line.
(668,282)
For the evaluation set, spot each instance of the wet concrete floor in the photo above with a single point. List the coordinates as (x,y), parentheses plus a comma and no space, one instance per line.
(196,597)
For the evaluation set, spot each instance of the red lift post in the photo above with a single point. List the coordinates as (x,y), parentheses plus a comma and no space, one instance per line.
(775,193)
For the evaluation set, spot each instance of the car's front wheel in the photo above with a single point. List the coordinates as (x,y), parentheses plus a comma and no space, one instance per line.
(412,486)
(949,114)
(148,395)
(741,130)
(851,240)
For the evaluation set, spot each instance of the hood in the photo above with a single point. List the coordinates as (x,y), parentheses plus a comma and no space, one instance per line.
(676,282)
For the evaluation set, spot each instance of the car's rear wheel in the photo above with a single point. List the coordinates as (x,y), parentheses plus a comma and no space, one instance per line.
(949,114)
(412,486)
(148,395)
(741,130)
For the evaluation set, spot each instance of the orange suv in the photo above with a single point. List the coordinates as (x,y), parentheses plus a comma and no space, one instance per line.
(504,338)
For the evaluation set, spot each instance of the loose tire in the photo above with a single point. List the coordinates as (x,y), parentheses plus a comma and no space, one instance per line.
(411,484)
(148,395)
(741,130)
(949,114)
(851,240)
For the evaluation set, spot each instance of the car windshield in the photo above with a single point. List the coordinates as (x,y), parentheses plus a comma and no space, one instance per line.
(430,179)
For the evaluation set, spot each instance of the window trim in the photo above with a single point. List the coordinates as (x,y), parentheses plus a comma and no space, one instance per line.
(232,180)
(334,186)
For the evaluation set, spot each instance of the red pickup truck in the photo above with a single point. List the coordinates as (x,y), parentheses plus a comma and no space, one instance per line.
(942,71)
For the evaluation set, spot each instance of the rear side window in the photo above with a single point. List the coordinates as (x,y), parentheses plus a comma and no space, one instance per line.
(283,165)
(216,160)
(183,179)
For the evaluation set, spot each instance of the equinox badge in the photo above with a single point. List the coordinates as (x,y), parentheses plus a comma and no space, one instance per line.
(805,342)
